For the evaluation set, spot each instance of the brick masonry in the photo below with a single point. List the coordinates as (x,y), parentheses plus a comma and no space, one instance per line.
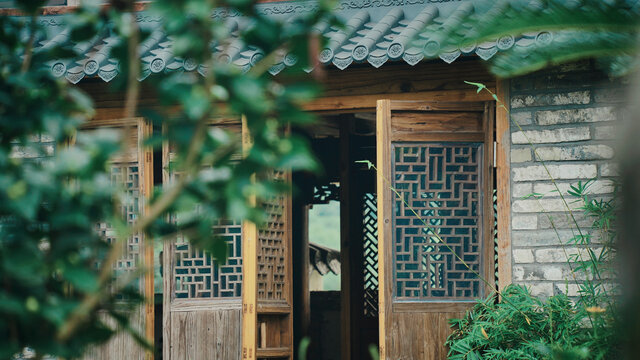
(570,114)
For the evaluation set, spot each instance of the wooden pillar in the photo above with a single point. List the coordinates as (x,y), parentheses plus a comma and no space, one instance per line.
(350,247)
(503,183)
(300,247)
(145,130)
(249,274)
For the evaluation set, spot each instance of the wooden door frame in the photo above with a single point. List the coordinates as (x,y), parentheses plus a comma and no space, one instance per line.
(144,129)
(386,136)
(367,103)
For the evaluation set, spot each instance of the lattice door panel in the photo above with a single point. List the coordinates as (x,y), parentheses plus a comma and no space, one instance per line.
(126,175)
(197,275)
(273,252)
(437,244)
(435,220)
(202,310)
(131,170)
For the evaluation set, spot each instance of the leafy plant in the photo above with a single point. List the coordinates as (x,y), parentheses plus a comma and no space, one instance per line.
(58,290)
(558,327)
(498,330)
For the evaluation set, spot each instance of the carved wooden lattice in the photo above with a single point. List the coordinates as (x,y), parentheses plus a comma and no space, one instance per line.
(197,274)
(272,249)
(441,182)
(323,194)
(126,175)
(370,255)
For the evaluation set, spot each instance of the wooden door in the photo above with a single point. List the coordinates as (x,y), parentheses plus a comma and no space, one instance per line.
(202,300)
(133,170)
(267,316)
(435,220)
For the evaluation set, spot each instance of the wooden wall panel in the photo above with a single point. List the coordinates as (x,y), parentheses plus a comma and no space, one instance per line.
(432,330)
(132,168)
(205,334)
(122,345)
(400,78)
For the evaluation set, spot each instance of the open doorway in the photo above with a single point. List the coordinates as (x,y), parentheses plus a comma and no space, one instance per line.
(336,305)
(324,278)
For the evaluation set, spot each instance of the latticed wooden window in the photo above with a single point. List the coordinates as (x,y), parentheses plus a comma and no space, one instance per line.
(437,236)
(272,250)
(198,275)
(435,217)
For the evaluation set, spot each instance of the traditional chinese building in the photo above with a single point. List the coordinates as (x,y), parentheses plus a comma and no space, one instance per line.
(454,156)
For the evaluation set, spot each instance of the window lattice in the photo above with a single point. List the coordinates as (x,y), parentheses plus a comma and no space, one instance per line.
(196,273)
(272,249)
(441,182)
(370,255)
(126,175)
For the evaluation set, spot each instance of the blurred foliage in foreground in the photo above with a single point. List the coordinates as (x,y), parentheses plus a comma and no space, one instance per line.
(51,289)
(571,30)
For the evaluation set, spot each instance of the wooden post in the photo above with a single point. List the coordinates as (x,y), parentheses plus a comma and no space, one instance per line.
(167,263)
(487,189)
(145,129)
(300,255)
(503,183)
(383,162)
(249,273)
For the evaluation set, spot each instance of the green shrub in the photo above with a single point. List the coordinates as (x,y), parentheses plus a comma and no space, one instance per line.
(522,326)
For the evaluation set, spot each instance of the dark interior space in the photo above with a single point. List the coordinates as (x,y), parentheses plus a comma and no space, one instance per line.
(344,323)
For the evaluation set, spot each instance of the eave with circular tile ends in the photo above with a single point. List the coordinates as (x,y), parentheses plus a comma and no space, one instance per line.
(374,32)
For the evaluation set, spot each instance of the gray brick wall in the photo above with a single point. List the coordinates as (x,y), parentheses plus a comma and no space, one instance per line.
(570,114)
(37,147)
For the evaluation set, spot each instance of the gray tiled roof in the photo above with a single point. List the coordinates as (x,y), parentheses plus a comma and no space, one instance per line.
(376,31)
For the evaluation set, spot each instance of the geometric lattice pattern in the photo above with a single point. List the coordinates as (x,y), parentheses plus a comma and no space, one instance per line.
(197,275)
(322,194)
(272,249)
(370,254)
(441,183)
(126,175)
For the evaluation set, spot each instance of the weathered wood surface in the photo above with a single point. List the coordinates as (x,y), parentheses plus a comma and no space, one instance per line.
(385,209)
(249,274)
(399,78)
(419,336)
(205,335)
(121,346)
(198,328)
(503,182)
(352,90)
(418,329)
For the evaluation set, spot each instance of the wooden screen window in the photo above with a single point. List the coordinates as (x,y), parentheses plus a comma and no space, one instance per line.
(196,273)
(127,175)
(441,183)
(272,250)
